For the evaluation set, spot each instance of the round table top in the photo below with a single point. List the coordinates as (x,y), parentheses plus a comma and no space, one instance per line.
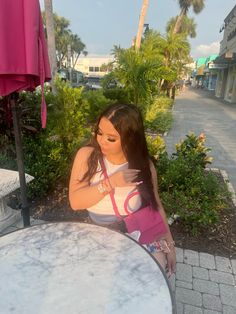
(79,268)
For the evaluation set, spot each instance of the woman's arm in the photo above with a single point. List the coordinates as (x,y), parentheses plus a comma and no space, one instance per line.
(160,206)
(171,257)
(81,194)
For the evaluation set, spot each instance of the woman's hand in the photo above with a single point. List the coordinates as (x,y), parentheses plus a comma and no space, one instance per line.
(171,261)
(124,178)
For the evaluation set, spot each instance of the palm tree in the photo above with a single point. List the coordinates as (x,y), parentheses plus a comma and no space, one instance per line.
(141,23)
(187,27)
(50,36)
(172,51)
(185,5)
(136,73)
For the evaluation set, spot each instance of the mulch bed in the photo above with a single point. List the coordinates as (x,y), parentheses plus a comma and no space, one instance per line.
(218,240)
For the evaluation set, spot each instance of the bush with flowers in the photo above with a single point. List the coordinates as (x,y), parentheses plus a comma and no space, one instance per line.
(188,191)
(193,149)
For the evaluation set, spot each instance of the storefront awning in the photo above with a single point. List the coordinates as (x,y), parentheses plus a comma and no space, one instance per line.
(224,60)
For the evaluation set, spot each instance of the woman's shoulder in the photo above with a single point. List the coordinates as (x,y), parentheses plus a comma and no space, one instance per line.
(84,153)
(80,165)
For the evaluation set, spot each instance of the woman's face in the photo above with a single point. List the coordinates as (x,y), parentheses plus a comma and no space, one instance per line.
(109,139)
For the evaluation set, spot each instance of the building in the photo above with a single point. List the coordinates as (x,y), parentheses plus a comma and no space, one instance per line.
(94,66)
(198,73)
(226,62)
(205,72)
(210,72)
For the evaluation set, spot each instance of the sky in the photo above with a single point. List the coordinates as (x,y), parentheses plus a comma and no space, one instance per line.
(101,24)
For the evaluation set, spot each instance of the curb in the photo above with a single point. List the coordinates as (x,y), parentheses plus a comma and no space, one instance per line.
(227,182)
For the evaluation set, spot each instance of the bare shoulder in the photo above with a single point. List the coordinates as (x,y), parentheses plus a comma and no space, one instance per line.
(80,165)
(84,153)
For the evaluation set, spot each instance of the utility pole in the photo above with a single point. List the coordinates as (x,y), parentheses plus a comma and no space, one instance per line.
(141,23)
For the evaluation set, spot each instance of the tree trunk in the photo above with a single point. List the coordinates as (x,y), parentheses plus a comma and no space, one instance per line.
(51,38)
(141,22)
(179,22)
(173,93)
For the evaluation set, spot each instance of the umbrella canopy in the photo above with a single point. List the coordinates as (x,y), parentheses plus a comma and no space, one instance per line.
(24,65)
(24,60)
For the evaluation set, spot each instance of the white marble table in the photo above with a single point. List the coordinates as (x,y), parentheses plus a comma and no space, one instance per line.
(78,268)
(9,182)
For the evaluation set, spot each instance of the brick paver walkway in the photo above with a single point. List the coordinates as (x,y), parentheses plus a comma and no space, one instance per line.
(204,283)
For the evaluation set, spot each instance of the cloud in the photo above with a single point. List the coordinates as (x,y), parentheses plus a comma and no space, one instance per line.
(206,50)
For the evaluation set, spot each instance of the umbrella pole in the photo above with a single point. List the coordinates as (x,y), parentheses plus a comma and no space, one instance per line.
(19,158)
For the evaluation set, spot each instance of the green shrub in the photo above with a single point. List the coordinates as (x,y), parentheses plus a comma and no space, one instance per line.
(30,103)
(156,146)
(7,162)
(198,203)
(68,117)
(95,102)
(160,102)
(44,159)
(193,149)
(158,116)
(49,153)
(109,80)
(161,123)
(186,188)
(174,175)
(117,94)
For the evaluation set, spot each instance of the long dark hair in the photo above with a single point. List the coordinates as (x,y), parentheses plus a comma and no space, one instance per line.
(128,122)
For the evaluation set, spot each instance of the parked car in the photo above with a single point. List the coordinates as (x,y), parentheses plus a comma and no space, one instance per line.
(77,78)
(93,83)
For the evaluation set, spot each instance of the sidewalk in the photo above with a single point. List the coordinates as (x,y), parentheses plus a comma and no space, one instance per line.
(199,111)
(204,283)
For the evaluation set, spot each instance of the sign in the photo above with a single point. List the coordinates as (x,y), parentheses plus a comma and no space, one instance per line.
(217,66)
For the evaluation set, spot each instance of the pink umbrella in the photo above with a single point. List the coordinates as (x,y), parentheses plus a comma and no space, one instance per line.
(24,65)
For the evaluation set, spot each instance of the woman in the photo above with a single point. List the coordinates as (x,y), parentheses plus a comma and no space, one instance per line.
(119,141)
